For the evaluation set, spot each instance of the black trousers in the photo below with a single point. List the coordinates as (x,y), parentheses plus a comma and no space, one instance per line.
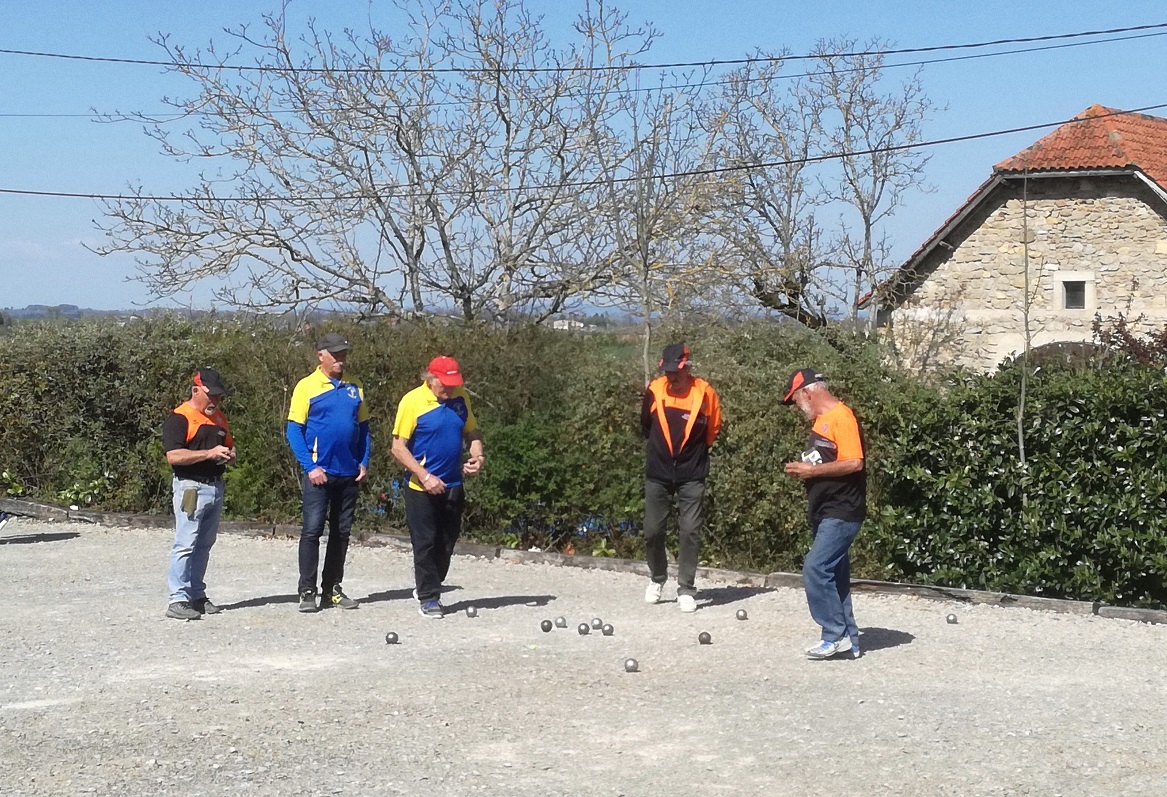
(336,501)
(434,521)
(658,500)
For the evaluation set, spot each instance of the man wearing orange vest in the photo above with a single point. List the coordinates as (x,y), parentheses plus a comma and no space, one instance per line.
(834,470)
(198,448)
(680,418)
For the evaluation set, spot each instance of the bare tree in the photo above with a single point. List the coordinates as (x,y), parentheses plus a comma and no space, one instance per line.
(868,127)
(764,212)
(439,168)
(655,198)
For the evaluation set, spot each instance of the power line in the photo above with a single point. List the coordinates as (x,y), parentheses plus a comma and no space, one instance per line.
(580,184)
(604,68)
(175,116)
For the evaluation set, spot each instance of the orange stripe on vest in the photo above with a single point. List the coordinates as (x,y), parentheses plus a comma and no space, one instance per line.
(659,389)
(195,419)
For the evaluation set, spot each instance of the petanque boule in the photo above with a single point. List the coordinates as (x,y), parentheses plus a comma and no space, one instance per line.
(584,629)
(607,630)
(741,614)
(471,611)
(391,638)
(561,622)
(951,619)
(597,623)
(704,638)
(631,665)
(546,625)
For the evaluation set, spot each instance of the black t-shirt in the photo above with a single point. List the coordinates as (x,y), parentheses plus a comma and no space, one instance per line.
(177,432)
(836,435)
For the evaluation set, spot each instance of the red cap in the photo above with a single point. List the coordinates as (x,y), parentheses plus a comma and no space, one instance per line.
(446,370)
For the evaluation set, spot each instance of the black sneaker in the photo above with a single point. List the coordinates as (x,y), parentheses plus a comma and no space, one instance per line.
(204,606)
(336,597)
(182,610)
(308,600)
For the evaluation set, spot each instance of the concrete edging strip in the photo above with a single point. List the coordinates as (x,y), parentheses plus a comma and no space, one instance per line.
(48,512)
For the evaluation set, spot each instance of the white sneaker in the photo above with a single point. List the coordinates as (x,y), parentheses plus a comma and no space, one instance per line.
(652,592)
(688,603)
(825,649)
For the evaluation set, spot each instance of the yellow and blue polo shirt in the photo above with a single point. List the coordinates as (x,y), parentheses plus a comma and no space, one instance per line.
(328,425)
(433,431)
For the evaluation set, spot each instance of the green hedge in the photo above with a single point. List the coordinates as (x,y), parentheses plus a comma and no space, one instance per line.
(950,502)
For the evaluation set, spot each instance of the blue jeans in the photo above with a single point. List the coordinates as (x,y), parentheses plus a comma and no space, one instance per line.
(193,537)
(826,577)
(335,500)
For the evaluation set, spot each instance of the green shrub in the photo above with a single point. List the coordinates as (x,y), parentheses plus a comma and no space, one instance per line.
(949,500)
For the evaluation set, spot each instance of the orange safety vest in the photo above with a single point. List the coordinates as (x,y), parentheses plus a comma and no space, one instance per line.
(195,419)
(659,389)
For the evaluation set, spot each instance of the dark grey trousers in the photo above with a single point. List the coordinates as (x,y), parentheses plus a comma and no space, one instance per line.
(658,500)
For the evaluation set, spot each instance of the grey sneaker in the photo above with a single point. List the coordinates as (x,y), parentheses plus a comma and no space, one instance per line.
(336,597)
(432,609)
(204,606)
(182,610)
(308,601)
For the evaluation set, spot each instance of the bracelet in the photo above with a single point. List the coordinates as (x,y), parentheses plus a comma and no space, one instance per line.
(426,478)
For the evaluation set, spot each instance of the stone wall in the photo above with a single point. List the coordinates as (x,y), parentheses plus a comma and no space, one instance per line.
(1108,234)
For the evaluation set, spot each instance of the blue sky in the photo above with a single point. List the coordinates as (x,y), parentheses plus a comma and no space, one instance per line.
(42,260)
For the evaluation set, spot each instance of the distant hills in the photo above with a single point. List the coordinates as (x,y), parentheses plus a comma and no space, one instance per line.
(57,311)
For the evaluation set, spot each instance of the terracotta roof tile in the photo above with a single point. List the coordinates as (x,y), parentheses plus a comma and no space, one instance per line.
(1104,139)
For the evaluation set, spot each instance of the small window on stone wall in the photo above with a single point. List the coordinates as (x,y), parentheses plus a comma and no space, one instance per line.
(1074,295)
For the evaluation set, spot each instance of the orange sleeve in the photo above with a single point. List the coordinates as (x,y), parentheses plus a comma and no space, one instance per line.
(713,428)
(846,433)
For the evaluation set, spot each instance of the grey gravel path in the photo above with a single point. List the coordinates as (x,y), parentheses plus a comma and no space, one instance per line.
(100,694)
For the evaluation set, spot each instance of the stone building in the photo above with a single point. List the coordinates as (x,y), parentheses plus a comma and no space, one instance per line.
(1077,221)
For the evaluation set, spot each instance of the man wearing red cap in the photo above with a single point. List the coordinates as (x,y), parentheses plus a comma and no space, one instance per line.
(833,470)
(328,431)
(198,448)
(434,421)
(680,418)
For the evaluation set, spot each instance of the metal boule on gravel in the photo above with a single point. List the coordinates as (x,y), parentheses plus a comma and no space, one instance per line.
(608,630)
(546,625)
(741,614)
(561,622)
(584,629)
(704,638)
(951,619)
(597,623)
(631,665)
(471,611)
(391,638)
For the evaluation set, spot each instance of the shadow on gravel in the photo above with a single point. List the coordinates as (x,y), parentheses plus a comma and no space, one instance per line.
(502,601)
(264,601)
(388,595)
(883,638)
(719,596)
(50,536)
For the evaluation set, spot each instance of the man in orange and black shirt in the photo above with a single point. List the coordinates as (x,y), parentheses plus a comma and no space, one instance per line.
(834,472)
(198,448)
(680,418)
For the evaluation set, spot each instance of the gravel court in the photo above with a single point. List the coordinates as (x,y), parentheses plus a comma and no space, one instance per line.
(100,694)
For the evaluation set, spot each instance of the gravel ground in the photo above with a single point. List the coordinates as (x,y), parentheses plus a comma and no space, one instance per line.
(100,694)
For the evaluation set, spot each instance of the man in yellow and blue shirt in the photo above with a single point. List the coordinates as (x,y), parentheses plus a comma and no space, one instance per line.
(328,430)
(433,422)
